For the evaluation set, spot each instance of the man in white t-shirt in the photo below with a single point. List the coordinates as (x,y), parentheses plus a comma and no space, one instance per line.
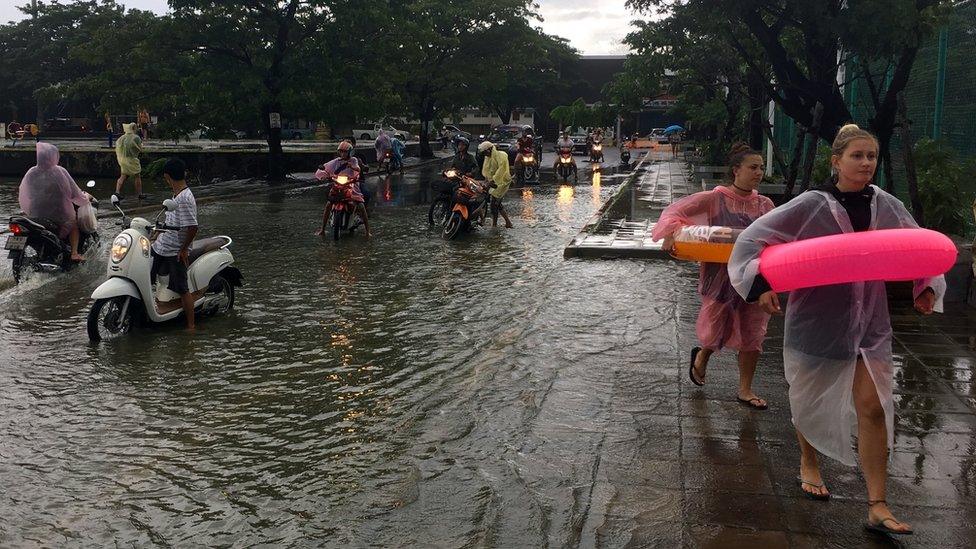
(171,249)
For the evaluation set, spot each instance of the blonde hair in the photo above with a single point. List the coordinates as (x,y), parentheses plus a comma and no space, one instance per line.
(847,135)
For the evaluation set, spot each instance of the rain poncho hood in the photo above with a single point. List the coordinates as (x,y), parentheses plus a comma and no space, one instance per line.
(127,150)
(828,327)
(496,169)
(49,192)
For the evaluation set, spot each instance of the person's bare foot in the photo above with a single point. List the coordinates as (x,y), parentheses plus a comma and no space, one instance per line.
(880,515)
(509,226)
(749,398)
(812,483)
(77,258)
(369,234)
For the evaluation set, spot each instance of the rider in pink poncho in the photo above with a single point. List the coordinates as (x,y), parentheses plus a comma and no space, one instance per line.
(348,165)
(725,319)
(49,192)
(837,339)
(383,144)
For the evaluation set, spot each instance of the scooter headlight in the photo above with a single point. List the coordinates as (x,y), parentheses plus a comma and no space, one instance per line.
(144,242)
(120,247)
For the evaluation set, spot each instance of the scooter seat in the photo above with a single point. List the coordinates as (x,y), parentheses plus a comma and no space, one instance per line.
(204,245)
(37,224)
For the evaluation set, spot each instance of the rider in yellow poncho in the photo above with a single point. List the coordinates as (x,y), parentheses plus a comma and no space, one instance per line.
(496,172)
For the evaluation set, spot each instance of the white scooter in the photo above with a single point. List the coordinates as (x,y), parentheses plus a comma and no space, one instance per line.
(128,296)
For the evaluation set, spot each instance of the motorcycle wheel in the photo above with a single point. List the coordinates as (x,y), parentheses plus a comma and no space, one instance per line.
(438,211)
(221,292)
(453,226)
(17,266)
(106,321)
(338,222)
(529,174)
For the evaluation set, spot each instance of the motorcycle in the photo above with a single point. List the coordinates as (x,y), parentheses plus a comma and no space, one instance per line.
(566,165)
(389,163)
(34,244)
(343,206)
(529,171)
(596,153)
(470,202)
(625,157)
(440,206)
(129,298)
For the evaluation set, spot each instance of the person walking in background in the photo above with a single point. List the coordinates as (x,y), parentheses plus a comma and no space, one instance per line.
(674,139)
(725,319)
(127,150)
(110,130)
(837,344)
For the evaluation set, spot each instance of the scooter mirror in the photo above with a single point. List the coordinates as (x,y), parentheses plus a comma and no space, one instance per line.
(115,199)
(90,184)
(169,204)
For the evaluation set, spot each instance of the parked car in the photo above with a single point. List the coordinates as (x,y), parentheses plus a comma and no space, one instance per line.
(505,138)
(579,143)
(658,135)
(454,132)
(371,133)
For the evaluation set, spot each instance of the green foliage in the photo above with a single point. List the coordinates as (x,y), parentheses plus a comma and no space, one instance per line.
(579,114)
(821,165)
(940,187)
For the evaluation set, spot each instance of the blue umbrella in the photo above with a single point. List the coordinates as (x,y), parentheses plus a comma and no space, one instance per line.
(673,129)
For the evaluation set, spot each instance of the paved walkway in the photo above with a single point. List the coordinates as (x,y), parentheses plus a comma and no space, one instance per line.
(689,466)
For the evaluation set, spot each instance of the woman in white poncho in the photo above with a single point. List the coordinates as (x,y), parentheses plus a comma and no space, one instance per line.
(837,341)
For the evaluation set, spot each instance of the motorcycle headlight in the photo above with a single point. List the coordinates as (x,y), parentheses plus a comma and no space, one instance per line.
(598,147)
(120,247)
(529,158)
(144,242)
(342,179)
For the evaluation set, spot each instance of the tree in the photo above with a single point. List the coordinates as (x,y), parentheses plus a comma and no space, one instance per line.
(800,42)
(530,69)
(255,57)
(443,53)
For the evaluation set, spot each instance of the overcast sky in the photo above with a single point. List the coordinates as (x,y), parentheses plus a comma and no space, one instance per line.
(595,27)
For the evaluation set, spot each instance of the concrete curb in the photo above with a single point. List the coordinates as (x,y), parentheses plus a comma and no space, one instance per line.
(572,251)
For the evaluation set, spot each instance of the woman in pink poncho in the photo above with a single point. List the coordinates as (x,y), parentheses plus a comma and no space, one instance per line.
(49,192)
(725,319)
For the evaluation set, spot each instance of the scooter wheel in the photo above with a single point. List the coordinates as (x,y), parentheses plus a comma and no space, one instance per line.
(453,226)
(106,319)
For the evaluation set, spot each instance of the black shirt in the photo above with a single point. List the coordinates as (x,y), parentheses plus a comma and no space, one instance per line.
(464,163)
(858,207)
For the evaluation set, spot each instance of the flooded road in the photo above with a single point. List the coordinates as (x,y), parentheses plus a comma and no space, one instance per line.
(407,391)
(363,392)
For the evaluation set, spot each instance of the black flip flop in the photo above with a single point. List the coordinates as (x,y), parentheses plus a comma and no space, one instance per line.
(749,403)
(880,528)
(810,495)
(691,369)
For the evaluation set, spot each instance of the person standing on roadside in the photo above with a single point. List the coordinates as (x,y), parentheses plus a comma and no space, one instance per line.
(127,150)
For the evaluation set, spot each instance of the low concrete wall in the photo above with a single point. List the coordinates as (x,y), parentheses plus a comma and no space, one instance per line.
(204,164)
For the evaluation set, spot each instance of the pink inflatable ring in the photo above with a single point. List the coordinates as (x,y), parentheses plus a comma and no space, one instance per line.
(888,254)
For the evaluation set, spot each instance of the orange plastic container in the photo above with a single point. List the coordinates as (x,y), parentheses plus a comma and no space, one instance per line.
(704,243)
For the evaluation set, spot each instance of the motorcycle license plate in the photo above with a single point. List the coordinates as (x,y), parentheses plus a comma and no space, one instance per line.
(16,243)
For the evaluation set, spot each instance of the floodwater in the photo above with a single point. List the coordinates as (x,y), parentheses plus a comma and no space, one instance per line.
(362,392)
(406,391)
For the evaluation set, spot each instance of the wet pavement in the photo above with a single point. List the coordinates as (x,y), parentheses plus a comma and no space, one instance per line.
(408,391)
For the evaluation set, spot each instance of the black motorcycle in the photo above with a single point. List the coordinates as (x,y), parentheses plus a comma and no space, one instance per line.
(34,244)
(565,165)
